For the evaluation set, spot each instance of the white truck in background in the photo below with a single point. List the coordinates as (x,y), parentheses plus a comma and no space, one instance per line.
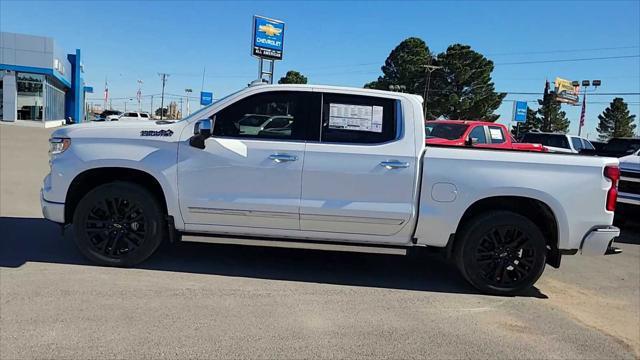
(350,170)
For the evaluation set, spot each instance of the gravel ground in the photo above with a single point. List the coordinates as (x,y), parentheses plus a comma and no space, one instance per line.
(221,301)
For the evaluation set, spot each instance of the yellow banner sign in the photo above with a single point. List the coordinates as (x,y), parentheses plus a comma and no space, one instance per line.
(566,92)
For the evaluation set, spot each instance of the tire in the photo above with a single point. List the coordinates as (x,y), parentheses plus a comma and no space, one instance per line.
(501,253)
(119,224)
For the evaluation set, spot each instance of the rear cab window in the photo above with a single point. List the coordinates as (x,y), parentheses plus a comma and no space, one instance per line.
(444,130)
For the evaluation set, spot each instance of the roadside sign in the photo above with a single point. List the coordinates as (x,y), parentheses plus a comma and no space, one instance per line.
(206,98)
(520,111)
(566,92)
(268,38)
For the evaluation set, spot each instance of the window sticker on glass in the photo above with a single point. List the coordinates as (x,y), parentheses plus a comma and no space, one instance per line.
(495,133)
(355,117)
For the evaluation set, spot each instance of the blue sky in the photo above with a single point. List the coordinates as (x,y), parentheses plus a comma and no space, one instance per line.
(339,43)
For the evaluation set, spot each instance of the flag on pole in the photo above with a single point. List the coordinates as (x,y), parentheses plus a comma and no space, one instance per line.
(106,91)
(584,108)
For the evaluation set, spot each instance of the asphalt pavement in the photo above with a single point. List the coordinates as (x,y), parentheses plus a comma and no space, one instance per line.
(223,301)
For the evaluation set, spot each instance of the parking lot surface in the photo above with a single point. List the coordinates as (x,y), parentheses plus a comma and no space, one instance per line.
(220,301)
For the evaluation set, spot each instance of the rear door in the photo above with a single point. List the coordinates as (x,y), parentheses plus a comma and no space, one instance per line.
(359,174)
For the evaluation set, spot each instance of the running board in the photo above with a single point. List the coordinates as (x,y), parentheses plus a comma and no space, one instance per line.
(295,244)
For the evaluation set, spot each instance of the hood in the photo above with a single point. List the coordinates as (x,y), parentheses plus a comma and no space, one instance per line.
(630,162)
(122,130)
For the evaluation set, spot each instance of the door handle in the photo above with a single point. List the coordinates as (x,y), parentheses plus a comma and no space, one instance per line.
(282,157)
(394,164)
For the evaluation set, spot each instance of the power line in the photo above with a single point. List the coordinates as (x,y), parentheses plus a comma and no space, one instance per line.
(569,60)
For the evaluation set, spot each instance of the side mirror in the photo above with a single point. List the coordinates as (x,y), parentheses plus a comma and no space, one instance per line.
(471,141)
(201,132)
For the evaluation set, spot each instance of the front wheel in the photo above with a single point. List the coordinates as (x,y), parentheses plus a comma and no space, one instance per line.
(119,224)
(501,252)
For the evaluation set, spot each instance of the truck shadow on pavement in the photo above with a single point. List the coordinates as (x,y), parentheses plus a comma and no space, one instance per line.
(37,240)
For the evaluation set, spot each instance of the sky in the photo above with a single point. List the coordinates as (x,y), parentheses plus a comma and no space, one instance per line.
(339,43)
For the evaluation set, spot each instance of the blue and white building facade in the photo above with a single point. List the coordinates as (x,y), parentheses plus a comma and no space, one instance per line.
(39,82)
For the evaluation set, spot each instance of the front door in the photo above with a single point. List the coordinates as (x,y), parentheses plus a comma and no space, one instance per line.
(249,174)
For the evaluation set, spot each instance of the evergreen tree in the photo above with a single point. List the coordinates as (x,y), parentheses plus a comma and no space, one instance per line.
(552,117)
(463,88)
(405,65)
(616,121)
(293,77)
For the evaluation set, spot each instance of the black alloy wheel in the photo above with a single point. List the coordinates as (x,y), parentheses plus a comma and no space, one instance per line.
(119,224)
(501,252)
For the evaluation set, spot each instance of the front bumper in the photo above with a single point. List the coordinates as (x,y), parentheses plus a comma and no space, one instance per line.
(51,210)
(598,240)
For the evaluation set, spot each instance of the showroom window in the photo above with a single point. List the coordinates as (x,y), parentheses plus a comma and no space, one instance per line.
(30,96)
(54,103)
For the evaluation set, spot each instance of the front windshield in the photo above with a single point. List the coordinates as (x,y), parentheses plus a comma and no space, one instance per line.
(444,130)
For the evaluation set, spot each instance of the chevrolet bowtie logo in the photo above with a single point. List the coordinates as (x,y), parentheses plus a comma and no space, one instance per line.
(269,29)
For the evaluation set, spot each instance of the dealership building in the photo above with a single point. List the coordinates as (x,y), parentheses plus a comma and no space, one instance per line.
(40,83)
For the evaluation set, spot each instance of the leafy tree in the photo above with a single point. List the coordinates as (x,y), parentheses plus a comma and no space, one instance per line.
(552,117)
(293,77)
(462,88)
(405,65)
(533,122)
(616,121)
(164,111)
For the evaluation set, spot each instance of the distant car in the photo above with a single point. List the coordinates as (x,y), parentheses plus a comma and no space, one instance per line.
(561,143)
(619,147)
(481,134)
(134,116)
(252,124)
(109,115)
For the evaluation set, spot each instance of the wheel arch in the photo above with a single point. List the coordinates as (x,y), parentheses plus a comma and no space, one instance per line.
(534,209)
(91,178)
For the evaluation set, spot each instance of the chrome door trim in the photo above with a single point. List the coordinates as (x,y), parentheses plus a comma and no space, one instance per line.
(238,212)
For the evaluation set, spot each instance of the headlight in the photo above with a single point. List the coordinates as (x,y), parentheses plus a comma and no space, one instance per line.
(58,145)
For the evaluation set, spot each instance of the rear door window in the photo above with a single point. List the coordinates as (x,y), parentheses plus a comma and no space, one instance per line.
(577,143)
(479,134)
(357,119)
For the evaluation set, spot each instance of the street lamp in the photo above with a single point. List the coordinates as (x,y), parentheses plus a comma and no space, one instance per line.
(400,88)
(188,92)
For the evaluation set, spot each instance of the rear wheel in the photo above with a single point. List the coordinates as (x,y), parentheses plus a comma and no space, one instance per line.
(501,253)
(119,224)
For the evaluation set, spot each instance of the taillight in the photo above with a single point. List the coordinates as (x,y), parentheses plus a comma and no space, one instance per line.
(612,173)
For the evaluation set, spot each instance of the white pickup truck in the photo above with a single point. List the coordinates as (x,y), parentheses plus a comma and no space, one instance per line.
(348,170)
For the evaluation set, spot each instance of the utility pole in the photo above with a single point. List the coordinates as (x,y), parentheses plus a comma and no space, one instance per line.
(427,82)
(151,113)
(164,77)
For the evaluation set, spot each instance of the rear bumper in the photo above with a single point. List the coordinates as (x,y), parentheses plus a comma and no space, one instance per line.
(598,240)
(51,210)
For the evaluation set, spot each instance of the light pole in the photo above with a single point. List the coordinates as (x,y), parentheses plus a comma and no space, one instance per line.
(188,92)
(139,95)
(400,88)
(585,84)
(428,70)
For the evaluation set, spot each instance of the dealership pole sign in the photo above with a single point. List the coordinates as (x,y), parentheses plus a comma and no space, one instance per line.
(206,98)
(267,44)
(520,111)
(268,38)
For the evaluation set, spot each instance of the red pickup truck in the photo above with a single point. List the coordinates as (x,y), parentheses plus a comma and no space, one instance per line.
(481,134)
